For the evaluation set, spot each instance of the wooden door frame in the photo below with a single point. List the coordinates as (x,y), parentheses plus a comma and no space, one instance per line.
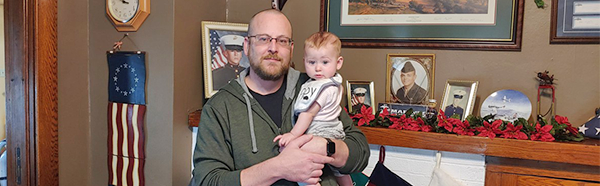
(31,91)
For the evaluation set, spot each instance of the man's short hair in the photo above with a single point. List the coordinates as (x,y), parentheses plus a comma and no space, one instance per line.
(233,42)
(408,67)
(322,39)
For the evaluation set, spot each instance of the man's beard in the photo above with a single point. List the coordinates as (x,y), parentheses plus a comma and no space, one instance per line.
(262,71)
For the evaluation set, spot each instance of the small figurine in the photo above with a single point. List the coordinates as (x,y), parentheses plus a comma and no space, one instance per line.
(545,78)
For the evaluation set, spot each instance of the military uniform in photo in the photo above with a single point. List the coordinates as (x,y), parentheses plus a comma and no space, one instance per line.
(455,109)
(229,71)
(359,92)
(416,94)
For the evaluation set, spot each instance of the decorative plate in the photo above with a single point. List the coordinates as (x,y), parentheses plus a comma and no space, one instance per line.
(507,105)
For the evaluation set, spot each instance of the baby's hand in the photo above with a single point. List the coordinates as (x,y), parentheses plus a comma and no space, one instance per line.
(285,139)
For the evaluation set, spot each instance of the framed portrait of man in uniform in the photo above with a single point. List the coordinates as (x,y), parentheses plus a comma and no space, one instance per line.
(223,54)
(360,93)
(410,78)
(459,98)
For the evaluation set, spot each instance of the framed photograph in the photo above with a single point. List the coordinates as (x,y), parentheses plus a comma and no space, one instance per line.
(445,24)
(360,93)
(410,78)
(459,98)
(575,22)
(223,54)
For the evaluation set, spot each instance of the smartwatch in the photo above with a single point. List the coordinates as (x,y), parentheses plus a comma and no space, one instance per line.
(330,147)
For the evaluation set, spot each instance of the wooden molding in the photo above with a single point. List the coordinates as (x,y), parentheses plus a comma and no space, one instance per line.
(586,152)
(32,96)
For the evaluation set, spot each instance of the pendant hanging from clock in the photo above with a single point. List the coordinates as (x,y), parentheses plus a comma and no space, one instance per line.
(127,15)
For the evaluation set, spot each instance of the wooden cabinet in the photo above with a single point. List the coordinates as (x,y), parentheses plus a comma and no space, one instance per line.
(515,172)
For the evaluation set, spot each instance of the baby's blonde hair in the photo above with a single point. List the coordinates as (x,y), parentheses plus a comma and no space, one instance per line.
(321,39)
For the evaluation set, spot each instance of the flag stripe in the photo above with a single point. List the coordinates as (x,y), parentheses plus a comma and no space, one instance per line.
(119,168)
(141,137)
(113,170)
(125,130)
(135,174)
(114,131)
(136,134)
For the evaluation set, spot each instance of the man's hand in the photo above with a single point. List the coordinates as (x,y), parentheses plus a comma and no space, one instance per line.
(318,145)
(299,165)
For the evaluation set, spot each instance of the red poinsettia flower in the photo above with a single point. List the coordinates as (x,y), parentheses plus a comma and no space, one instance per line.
(542,133)
(396,123)
(513,132)
(445,122)
(490,130)
(424,126)
(384,113)
(412,124)
(565,121)
(365,116)
(463,128)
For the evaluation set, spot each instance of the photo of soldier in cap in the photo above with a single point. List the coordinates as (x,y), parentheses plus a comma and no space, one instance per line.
(223,58)
(458,105)
(359,96)
(412,79)
(233,55)
(360,93)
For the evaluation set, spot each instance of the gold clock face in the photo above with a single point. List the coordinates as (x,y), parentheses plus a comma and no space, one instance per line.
(123,10)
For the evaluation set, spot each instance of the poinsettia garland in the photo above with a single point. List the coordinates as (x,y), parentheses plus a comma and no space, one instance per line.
(559,128)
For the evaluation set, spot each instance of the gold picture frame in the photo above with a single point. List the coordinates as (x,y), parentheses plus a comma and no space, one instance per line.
(369,95)
(423,66)
(454,101)
(214,57)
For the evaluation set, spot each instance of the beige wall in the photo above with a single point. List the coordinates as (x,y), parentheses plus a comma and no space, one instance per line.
(171,37)
(575,66)
(174,87)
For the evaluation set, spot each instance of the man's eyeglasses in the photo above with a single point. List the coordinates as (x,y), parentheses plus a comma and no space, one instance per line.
(263,39)
(360,94)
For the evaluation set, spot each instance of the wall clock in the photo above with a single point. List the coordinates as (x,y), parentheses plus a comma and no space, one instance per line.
(127,15)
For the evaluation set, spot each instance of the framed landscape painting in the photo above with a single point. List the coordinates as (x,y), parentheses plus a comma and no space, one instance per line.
(445,24)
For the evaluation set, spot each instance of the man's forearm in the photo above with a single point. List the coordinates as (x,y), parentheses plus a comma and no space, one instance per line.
(341,153)
(260,174)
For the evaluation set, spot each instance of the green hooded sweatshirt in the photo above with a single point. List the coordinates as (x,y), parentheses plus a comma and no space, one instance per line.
(235,132)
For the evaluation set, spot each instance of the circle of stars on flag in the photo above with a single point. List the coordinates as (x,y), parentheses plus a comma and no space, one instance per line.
(125,67)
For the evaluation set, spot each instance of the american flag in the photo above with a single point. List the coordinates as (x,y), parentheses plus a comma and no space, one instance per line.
(218,59)
(126,144)
(354,100)
(126,111)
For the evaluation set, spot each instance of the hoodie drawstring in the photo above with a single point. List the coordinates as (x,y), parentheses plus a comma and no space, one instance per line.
(251,123)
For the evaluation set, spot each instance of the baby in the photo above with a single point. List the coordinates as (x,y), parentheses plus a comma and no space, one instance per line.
(317,106)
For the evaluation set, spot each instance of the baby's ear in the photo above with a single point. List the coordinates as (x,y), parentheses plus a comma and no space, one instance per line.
(340,62)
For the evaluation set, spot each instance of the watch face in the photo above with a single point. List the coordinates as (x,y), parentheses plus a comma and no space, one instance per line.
(123,10)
